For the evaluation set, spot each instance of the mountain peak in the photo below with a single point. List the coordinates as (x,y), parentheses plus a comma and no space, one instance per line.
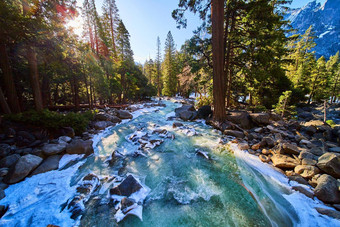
(325,20)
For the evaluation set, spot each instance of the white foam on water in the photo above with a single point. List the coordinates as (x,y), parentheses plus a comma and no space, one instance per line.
(67,158)
(37,200)
(303,205)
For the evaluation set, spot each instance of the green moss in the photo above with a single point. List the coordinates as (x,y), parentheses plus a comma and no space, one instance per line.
(53,120)
(331,123)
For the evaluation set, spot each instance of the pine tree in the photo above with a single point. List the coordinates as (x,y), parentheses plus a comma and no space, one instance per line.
(112,20)
(333,69)
(158,66)
(169,75)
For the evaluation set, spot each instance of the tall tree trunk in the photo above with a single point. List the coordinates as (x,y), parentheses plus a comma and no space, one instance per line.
(34,76)
(217,16)
(112,35)
(45,88)
(87,90)
(11,92)
(4,106)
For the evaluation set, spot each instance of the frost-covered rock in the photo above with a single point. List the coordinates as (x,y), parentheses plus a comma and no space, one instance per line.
(127,187)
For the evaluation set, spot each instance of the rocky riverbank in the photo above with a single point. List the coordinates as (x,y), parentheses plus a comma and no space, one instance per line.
(26,151)
(306,150)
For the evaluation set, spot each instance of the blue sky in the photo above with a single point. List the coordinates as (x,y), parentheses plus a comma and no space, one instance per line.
(147,19)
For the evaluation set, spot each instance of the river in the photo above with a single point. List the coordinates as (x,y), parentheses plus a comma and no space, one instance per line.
(186,189)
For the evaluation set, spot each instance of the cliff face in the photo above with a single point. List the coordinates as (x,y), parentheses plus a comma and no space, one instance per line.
(325,20)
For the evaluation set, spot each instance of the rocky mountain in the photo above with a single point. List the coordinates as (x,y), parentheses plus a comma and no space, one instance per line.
(325,20)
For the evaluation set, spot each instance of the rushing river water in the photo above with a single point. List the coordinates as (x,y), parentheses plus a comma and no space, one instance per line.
(185,188)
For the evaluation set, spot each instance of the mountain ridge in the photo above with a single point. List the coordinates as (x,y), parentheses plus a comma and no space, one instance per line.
(325,19)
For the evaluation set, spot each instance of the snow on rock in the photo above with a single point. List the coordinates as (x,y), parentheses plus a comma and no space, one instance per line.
(129,196)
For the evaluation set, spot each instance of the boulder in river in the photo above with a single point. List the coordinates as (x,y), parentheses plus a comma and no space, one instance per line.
(100,125)
(127,187)
(186,112)
(107,117)
(53,149)
(122,114)
(330,163)
(51,163)
(23,167)
(79,146)
(284,161)
(327,189)
(331,213)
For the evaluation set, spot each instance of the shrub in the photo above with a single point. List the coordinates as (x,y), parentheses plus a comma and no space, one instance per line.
(331,123)
(283,107)
(53,120)
(203,101)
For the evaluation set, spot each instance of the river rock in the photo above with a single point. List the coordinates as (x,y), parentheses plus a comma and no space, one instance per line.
(284,161)
(330,163)
(303,191)
(107,117)
(64,139)
(51,163)
(308,155)
(331,213)
(186,112)
(9,160)
(128,186)
(268,141)
(306,171)
(237,134)
(177,124)
(240,118)
(306,115)
(204,112)
(23,167)
(327,189)
(290,149)
(122,114)
(260,118)
(298,179)
(53,149)
(100,125)
(307,161)
(243,146)
(264,158)
(80,146)
(126,205)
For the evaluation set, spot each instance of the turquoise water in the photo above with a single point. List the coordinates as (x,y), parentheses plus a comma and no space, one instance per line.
(185,189)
